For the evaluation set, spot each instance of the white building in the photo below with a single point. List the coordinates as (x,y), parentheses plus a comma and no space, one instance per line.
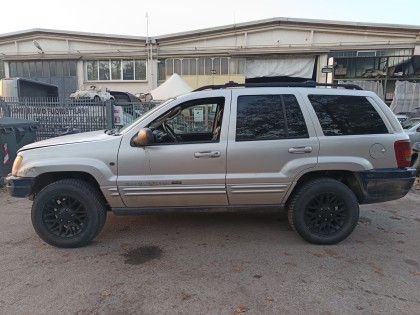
(277,49)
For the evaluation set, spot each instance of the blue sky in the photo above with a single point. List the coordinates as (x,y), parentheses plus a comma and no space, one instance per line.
(125,17)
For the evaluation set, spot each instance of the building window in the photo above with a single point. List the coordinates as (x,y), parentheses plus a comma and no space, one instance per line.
(116,69)
(91,70)
(2,71)
(128,69)
(140,69)
(104,70)
(177,66)
(43,69)
(201,66)
(169,63)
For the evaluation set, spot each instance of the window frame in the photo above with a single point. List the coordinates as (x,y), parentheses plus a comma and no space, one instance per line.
(111,69)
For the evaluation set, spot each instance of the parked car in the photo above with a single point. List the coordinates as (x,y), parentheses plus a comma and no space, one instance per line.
(317,152)
(92,92)
(415,158)
(124,97)
(409,123)
(401,117)
(413,131)
(130,104)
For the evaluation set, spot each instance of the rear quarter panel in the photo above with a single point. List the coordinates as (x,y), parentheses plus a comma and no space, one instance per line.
(357,152)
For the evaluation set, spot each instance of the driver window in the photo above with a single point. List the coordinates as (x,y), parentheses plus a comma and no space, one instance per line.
(190,122)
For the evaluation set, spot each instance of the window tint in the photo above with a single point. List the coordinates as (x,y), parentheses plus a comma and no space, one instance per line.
(347,115)
(269,117)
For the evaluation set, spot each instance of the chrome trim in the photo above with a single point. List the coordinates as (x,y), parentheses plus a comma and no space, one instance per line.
(173,190)
(113,191)
(258,188)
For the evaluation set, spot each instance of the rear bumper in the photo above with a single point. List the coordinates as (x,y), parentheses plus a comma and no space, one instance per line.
(19,186)
(381,185)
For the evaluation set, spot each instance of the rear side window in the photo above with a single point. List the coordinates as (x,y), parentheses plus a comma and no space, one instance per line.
(269,117)
(342,115)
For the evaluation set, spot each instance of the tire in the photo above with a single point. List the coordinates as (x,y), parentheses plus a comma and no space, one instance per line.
(68,213)
(96,99)
(323,211)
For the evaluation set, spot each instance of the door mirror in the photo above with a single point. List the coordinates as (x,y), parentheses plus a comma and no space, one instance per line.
(144,137)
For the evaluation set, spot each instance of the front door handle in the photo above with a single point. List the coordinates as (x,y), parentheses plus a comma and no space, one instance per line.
(300,150)
(207,154)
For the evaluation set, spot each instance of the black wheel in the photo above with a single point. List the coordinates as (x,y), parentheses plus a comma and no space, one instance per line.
(68,213)
(323,211)
(96,99)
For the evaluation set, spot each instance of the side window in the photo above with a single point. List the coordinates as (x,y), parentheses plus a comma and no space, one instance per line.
(341,115)
(193,121)
(269,117)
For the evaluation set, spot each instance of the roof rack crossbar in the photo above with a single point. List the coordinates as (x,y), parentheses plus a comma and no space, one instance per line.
(232,84)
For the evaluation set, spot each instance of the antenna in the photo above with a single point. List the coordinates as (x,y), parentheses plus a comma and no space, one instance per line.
(147,25)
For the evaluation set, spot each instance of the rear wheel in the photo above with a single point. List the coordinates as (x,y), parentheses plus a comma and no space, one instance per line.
(323,211)
(68,213)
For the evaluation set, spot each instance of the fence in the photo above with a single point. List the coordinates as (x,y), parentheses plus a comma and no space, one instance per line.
(58,116)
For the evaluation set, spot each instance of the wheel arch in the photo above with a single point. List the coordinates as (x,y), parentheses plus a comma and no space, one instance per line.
(47,178)
(348,178)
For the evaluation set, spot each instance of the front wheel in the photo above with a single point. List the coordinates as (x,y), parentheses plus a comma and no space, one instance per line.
(68,213)
(323,211)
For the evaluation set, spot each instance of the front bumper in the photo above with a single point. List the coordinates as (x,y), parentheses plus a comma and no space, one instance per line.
(382,185)
(19,186)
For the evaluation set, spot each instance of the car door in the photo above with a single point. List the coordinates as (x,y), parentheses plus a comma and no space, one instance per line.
(271,141)
(190,171)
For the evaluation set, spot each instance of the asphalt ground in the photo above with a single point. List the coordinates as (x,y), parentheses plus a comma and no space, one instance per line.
(248,262)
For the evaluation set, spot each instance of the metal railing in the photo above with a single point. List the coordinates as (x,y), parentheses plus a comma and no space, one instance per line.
(58,116)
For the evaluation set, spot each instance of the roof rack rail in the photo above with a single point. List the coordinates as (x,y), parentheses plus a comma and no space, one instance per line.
(232,84)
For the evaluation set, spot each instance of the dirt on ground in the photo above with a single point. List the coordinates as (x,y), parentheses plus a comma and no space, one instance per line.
(214,263)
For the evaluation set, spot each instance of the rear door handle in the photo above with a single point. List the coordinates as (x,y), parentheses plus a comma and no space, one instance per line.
(207,154)
(300,150)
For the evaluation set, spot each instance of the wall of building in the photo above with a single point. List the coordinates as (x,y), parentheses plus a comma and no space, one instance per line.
(277,38)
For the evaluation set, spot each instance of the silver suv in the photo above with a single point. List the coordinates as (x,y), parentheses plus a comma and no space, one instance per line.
(317,150)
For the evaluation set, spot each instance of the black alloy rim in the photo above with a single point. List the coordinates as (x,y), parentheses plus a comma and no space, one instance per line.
(65,216)
(326,214)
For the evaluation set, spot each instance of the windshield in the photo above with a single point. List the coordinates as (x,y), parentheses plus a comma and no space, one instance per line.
(127,127)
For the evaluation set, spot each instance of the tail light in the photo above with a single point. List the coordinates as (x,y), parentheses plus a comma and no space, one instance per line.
(402,150)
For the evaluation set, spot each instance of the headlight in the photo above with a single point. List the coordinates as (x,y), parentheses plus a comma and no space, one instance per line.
(16,164)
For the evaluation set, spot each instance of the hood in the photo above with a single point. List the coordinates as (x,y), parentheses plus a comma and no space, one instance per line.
(91,136)
(81,94)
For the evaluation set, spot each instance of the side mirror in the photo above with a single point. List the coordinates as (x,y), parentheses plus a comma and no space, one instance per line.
(144,137)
